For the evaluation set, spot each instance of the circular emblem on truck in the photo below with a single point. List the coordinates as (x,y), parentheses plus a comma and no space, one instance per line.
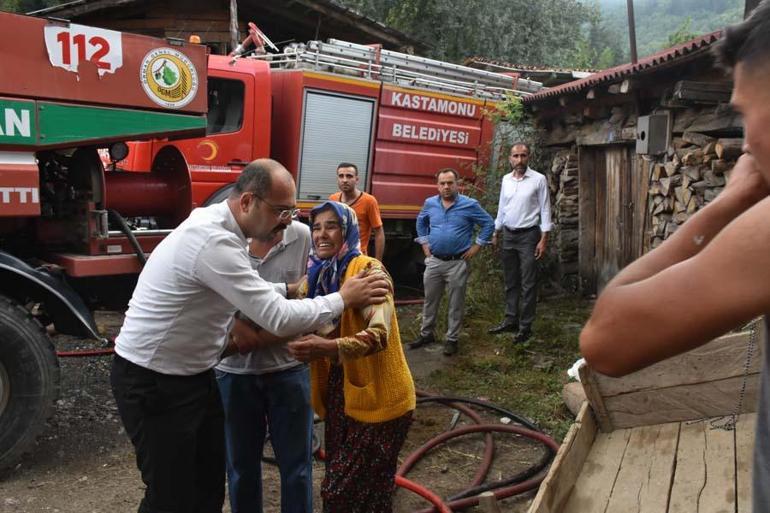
(169,78)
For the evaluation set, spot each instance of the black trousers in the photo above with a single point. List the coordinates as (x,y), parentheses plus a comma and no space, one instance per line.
(177,427)
(520,273)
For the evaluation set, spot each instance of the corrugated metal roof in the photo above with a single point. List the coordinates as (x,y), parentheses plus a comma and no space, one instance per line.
(665,57)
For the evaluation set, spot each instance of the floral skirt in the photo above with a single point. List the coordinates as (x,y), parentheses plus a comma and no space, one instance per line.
(361,458)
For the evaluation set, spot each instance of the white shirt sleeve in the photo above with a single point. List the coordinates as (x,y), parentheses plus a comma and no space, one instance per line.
(500,207)
(223,266)
(545,206)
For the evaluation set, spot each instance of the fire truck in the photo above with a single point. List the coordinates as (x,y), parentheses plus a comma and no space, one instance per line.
(67,93)
(398,117)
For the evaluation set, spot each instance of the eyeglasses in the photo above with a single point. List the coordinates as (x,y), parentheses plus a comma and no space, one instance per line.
(284,214)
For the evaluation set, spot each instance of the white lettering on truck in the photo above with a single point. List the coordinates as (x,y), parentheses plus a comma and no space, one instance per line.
(425,133)
(13,122)
(429,104)
(25,194)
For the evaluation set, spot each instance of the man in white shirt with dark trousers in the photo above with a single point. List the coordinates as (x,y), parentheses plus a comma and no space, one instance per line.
(175,332)
(523,222)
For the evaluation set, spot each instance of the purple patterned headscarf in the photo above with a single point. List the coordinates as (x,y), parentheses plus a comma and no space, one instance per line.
(324,275)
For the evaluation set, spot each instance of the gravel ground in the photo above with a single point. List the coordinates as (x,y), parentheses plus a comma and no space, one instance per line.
(84,463)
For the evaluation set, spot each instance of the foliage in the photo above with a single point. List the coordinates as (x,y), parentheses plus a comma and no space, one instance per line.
(517,31)
(510,110)
(657,20)
(525,378)
(24,6)
(582,34)
(682,34)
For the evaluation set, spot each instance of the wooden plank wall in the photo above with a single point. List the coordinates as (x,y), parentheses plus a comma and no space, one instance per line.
(179,19)
(587,218)
(704,382)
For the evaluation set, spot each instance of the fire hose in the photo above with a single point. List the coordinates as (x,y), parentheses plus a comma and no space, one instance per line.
(514,485)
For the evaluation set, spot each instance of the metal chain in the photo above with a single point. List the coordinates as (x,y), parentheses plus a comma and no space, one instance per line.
(728,422)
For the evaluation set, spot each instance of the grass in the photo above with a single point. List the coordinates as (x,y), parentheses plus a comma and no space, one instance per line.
(525,378)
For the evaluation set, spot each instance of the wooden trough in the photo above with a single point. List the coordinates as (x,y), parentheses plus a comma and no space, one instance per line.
(652,442)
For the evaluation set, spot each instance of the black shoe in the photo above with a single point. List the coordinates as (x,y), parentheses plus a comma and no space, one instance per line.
(421,341)
(450,347)
(503,327)
(522,336)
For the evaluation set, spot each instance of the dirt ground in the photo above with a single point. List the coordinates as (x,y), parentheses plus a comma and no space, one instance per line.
(84,463)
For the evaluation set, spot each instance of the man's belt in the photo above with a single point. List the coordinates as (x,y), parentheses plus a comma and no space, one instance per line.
(448,258)
(520,230)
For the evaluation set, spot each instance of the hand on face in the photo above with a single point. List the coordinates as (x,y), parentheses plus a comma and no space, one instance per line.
(747,180)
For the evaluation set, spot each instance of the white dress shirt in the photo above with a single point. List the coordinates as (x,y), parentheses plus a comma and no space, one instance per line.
(524,202)
(192,284)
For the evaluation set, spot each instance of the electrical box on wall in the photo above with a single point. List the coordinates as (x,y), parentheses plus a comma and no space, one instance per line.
(652,133)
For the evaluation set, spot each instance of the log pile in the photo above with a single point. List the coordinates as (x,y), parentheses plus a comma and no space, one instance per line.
(692,175)
(563,182)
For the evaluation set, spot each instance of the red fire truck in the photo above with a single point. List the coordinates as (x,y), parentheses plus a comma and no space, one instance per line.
(66,92)
(398,117)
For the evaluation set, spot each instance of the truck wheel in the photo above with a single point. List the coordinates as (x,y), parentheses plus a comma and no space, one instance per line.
(29,381)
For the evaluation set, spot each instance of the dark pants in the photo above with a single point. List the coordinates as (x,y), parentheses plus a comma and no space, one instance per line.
(520,272)
(278,401)
(177,427)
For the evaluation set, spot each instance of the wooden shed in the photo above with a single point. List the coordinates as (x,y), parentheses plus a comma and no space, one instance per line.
(633,151)
(283,22)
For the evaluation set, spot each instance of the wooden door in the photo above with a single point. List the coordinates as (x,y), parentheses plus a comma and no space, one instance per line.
(611,186)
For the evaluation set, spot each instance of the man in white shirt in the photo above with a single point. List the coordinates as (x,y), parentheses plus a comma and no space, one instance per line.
(269,389)
(175,332)
(524,218)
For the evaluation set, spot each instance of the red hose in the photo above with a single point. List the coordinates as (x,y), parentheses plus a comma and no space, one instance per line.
(424,493)
(402,302)
(411,486)
(489,447)
(503,492)
(89,352)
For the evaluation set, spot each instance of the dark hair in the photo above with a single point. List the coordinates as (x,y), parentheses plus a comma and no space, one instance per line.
(257,177)
(520,143)
(347,164)
(748,41)
(448,170)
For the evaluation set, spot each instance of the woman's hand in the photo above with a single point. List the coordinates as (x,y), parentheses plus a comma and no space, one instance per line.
(312,347)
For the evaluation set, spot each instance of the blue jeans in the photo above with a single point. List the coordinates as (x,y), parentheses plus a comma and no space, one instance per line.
(280,402)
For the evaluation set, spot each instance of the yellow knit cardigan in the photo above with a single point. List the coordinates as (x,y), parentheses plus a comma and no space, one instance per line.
(378,387)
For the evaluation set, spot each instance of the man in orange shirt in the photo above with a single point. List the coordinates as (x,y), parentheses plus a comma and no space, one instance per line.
(366,207)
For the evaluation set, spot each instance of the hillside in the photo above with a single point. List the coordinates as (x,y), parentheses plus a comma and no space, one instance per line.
(656,20)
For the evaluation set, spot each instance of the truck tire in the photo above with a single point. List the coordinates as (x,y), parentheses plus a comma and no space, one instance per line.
(29,381)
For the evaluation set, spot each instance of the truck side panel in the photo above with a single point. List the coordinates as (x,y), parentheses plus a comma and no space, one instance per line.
(104,66)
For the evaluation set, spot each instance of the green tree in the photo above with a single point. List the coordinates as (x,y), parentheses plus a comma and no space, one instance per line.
(682,33)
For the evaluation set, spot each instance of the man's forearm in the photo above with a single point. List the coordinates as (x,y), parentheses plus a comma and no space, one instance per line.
(686,242)
(379,244)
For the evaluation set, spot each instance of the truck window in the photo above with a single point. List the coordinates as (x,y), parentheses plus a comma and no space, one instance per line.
(225,106)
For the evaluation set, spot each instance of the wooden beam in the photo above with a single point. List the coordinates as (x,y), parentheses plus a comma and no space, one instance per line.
(567,466)
(592,490)
(724,357)
(625,86)
(683,402)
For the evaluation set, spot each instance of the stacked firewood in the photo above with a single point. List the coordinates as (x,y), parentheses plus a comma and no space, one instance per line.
(563,181)
(694,173)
